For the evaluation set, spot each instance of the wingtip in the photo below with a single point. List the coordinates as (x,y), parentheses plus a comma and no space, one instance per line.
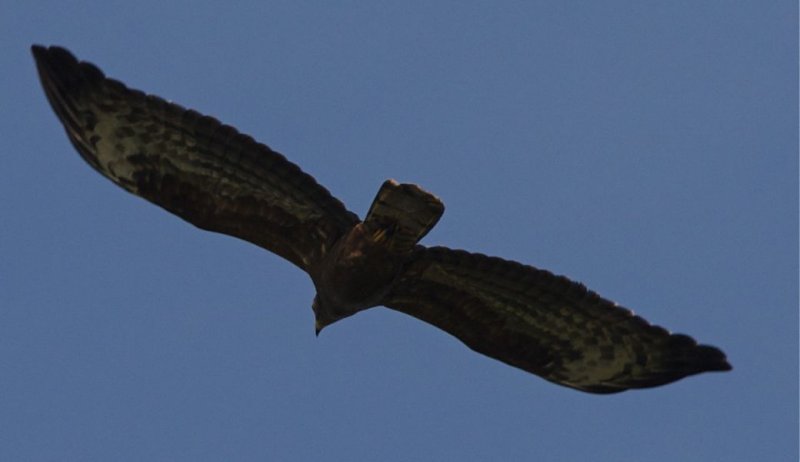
(49,59)
(713,359)
(39,53)
(42,52)
(58,67)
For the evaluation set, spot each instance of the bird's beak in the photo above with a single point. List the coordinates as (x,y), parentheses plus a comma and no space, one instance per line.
(317,328)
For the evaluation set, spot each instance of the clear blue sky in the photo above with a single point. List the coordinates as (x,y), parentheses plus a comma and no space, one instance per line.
(647,151)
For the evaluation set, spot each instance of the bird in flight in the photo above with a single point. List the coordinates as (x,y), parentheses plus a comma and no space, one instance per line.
(220,180)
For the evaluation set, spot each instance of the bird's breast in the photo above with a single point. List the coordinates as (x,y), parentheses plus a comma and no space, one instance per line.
(357,273)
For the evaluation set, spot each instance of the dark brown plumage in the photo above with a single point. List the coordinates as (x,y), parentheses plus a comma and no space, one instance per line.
(220,180)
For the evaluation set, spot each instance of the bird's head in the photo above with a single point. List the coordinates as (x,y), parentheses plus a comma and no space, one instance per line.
(322,316)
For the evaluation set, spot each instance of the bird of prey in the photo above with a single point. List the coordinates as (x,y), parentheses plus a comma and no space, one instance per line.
(219,180)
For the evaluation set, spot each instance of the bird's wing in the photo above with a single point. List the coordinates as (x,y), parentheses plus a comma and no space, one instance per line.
(544,324)
(191,165)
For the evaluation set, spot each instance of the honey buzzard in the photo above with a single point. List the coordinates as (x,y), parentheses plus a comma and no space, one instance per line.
(220,180)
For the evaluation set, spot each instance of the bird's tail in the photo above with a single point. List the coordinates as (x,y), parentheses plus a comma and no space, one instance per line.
(402,214)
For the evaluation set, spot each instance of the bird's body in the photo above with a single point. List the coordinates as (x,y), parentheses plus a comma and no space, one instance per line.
(220,180)
(357,274)
(365,264)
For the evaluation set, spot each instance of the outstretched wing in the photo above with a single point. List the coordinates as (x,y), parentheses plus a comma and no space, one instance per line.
(192,165)
(545,324)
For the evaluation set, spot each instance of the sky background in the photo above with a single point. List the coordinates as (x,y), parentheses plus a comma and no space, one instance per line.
(646,149)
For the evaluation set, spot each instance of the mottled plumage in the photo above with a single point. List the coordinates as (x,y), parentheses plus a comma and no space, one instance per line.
(220,180)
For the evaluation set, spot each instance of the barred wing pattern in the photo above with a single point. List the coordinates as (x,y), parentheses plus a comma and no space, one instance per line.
(544,324)
(191,165)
